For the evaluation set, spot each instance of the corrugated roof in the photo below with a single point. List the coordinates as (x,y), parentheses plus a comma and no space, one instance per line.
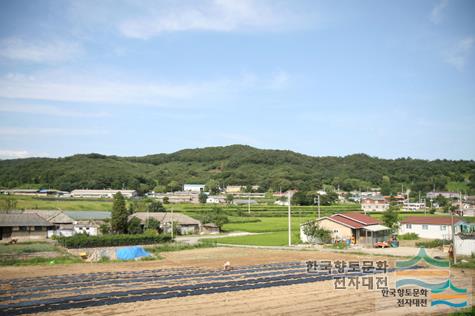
(165,217)
(431,220)
(353,219)
(346,221)
(23,219)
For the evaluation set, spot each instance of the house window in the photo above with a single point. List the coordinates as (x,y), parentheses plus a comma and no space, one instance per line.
(38,228)
(23,228)
(408,226)
(443,227)
(335,230)
(425,227)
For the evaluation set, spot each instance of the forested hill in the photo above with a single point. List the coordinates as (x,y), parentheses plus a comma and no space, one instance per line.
(236,164)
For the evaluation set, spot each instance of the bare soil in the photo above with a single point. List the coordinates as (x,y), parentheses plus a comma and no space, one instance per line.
(301,299)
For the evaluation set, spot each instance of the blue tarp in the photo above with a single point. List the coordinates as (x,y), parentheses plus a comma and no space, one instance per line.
(130,253)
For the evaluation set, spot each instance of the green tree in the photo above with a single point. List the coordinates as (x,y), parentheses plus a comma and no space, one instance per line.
(134,226)
(173,186)
(316,234)
(119,214)
(152,223)
(216,216)
(212,186)
(203,197)
(105,228)
(386,186)
(156,206)
(8,204)
(391,217)
(229,199)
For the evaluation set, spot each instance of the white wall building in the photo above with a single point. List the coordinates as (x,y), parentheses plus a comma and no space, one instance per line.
(430,227)
(464,245)
(407,206)
(374,204)
(102,193)
(194,187)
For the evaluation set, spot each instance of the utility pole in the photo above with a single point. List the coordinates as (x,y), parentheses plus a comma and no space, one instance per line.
(453,237)
(172,222)
(318,205)
(290,233)
(248,204)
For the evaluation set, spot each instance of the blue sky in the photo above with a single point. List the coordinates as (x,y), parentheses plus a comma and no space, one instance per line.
(386,78)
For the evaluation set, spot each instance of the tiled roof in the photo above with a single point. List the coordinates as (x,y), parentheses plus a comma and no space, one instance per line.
(431,220)
(52,216)
(9,220)
(165,217)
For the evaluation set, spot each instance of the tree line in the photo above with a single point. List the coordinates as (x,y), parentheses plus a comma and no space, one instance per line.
(238,165)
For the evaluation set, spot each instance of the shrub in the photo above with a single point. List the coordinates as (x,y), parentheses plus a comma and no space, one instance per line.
(134,226)
(83,241)
(316,234)
(433,243)
(408,236)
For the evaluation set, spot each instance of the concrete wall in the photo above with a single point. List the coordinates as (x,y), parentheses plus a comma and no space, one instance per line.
(30,233)
(464,247)
(338,231)
(432,231)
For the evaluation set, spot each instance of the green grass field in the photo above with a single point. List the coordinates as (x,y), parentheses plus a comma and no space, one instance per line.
(24,254)
(267,224)
(25,248)
(279,238)
(31,203)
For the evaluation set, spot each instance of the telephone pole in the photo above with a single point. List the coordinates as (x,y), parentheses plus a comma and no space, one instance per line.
(290,228)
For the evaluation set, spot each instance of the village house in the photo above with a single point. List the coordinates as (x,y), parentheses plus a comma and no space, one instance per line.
(353,226)
(194,188)
(209,228)
(179,197)
(431,227)
(376,203)
(185,224)
(97,194)
(24,226)
(447,195)
(63,225)
(413,206)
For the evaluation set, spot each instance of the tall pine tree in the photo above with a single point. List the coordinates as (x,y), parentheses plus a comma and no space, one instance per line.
(119,215)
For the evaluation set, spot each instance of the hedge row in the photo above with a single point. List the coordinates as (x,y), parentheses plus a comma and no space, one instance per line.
(84,241)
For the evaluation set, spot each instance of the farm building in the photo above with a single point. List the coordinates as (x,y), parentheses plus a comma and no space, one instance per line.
(194,187)
(179,197)
(209,228)
(102,193)
(23,226)
(186,224)
(62,223)
(431,227)
(354,226)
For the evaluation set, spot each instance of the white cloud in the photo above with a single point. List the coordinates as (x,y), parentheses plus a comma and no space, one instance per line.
(13,154)
(38,51)
(436,15)
(40,131)
(48,110)
(458,55)
(279,79)
(73,88)
(215,15)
